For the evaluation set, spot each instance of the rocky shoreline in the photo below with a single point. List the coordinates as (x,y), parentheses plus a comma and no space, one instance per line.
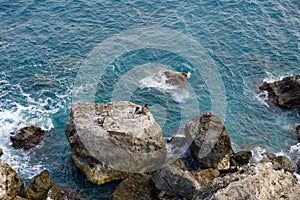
(110,142)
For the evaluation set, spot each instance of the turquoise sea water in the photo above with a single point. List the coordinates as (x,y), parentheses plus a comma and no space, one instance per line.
(228,47)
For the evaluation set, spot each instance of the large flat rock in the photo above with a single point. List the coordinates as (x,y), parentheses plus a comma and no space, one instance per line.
(109,141)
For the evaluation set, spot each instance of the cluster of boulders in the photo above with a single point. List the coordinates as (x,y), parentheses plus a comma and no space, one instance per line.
(110,142)
(204,169)
(224,175)
(41,187)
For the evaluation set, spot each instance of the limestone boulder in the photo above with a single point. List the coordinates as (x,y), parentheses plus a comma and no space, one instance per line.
(173,182)
(258,182)
(27,137)
(284,93)
(298,131)
(109,142)
(135,187)
(210,142)
(10,182)
(38,187)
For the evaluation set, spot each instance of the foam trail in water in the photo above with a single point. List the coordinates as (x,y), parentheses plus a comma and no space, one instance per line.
(258,153)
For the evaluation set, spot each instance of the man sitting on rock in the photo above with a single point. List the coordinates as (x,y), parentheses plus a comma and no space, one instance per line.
(143,111)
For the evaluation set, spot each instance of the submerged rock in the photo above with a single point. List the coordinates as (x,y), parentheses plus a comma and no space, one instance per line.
(109,142)
(38,187)
(284,93)
(298,131)
(69,195)
(239,159)
(10,182)
(27,137)
(176,78)
(210,141)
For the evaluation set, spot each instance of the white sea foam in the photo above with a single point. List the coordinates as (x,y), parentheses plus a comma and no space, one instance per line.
(258,153)
(272,78)
(27,111)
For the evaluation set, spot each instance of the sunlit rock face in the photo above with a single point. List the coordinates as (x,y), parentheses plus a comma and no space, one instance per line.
(109,141)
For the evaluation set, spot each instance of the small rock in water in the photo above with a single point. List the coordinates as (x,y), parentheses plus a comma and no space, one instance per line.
(284,93)
(1,152)
(176,78)
(27,137)
(298,132)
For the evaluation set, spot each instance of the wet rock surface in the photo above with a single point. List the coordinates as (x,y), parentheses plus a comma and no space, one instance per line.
(27,137)
(176,78)
(284,93)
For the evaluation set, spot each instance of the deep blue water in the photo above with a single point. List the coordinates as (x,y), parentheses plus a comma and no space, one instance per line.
(50,51)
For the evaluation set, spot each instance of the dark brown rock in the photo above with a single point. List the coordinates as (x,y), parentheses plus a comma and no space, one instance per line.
(206,176)
(298,132)
(173,182)
(284,93)
(38,187)
(27,137)
(240,158)
(210,141)
(135,187)
(1,152)
(54,192)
